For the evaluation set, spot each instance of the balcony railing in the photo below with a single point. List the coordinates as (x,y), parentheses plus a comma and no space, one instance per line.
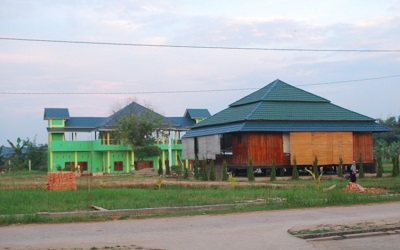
(97,145)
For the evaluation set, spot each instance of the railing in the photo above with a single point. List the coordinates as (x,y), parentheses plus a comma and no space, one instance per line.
(96,145)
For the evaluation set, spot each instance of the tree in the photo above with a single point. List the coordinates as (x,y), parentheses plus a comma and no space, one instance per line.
(212,171)
(224,171)
(1,156)
(273,172)
(37,154)
(196,169)
(18,158)
(392,136)
(136,129)
(394,154)
(295,172)
(250,171)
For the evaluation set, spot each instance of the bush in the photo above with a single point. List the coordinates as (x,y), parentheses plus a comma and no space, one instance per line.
(186,173)
(196,169)
(340,170)
(167,169)
(204,176)
(295,172)
(160,169)
(315,167)
(224,171)
(379,173)
(212,172)
(361,168)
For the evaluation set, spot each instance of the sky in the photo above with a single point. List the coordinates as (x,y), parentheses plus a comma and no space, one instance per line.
(312,44)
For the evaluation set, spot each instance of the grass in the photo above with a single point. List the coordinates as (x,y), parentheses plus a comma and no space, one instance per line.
(23,194)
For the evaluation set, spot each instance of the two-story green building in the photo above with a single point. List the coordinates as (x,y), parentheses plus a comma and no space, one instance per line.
(88,143)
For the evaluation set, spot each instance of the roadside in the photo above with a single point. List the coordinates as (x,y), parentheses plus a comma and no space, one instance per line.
(351,229)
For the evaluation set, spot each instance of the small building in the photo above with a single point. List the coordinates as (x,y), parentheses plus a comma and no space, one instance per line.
(88,144)
(279,123)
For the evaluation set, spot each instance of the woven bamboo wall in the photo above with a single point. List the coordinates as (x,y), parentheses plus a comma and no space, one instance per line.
(327,146)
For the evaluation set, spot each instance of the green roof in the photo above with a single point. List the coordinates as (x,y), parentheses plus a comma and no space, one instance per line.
(281,102)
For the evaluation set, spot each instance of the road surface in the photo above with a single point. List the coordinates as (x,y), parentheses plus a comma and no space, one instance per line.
(254,230)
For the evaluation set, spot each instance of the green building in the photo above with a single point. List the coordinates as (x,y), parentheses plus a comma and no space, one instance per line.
(88,144)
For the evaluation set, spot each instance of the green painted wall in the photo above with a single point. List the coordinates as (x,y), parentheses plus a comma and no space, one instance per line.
(96,155)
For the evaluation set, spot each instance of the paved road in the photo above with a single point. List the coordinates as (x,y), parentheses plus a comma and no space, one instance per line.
(256,230)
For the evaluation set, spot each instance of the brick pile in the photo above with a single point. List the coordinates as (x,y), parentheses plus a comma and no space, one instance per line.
(354,187)
(61,181)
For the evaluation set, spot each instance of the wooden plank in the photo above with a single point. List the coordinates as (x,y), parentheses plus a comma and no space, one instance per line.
(362,143)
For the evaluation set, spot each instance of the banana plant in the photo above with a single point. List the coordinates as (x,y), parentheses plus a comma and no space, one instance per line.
(317,180)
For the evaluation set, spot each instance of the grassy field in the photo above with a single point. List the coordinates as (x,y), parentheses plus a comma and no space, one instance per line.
(24,193)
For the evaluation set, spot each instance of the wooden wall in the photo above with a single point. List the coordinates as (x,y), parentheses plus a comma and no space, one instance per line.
(362,143)
(327,146)
(261,147)
(240,150)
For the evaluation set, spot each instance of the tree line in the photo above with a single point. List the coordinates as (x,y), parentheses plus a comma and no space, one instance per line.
(22,153)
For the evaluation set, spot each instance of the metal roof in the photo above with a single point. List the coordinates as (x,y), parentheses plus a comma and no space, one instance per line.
(288,126)
(197,113)
(88,124)
(281,107)
(56,113)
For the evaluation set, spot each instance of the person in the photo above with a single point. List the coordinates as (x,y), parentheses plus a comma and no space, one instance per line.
(353,171)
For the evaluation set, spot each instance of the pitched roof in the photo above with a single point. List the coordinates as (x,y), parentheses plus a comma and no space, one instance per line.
(56,113)
(281,107)
(88,124)
(197,113)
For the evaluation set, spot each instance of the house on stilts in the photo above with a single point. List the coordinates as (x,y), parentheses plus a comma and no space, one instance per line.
(279,123)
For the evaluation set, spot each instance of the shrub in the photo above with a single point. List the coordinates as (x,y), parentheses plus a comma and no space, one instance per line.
(232,180)
(361,168)
(295,172)
(186,173)
(212,172)
(224,171)
(315,167)
(167,169)
(340,170)
(379,173)
(160,169)
(196,169)
(273,172)
(250,170)
(204,176)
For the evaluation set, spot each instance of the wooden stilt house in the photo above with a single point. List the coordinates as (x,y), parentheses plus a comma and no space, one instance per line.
(280,122)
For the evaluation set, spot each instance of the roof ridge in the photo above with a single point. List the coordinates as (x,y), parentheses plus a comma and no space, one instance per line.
(252,112)
(274,83)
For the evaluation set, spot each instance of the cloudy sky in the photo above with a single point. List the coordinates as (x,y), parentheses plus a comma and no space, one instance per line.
(92,79)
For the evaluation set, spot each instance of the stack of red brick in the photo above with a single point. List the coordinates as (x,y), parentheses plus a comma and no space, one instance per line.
(61,181)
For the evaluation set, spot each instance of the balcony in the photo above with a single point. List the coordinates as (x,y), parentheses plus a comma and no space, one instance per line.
(96,145)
